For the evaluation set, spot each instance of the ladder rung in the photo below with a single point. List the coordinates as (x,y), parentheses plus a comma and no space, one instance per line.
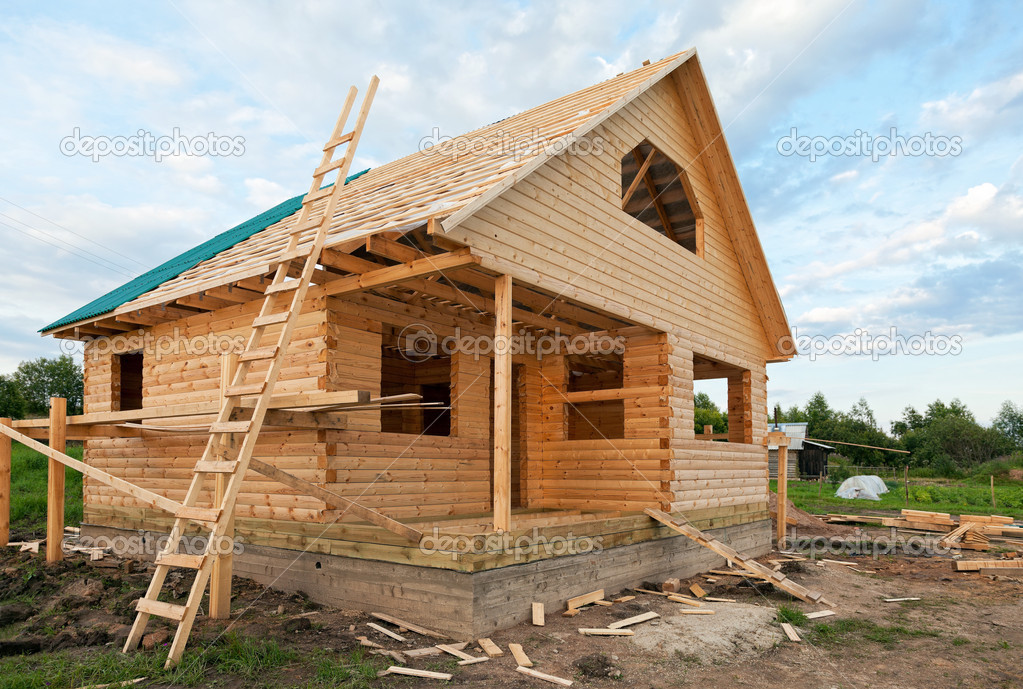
(306,226)
(161,609)
(318,194)
(285,286)
(259,353)
(334,143)
(202,514)
(247,389)
(271,319)
(330,167)
(182,560)
(229,427)
(214,466)
(297,254)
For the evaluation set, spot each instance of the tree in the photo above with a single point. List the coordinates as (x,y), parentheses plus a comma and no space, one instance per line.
(818,416)
(706,413)
(42,378)
(1009,422)
(12,402)
(911,420)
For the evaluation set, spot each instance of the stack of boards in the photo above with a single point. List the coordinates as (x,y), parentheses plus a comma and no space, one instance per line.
(969,531)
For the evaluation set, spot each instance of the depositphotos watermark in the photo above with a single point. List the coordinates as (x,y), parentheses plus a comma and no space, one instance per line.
(521,547)
(861,144)
(417,342)
(149,545)
(874,547)
(145,144)
(156,346)
(502,144)
(861,342)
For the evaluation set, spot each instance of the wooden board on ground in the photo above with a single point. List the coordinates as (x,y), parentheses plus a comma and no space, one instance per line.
(520,656)
(545,677)
(819,614)
(397,622)
(629,621)
(585,599)
(412,672)
(975,565)
(490,648)
(538,617)
(698,591)
(790,632)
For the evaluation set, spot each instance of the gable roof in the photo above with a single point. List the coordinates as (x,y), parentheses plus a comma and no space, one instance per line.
(453,180)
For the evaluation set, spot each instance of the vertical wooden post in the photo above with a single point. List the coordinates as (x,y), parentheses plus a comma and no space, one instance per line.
(820,486)
(5,486)
(708,429)
(223,564)
(783,489)
(993,503)
(502,403)
(907,485)
(55,481)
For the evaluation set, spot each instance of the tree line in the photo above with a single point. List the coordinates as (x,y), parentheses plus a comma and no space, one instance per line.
(26,393)
(945,438)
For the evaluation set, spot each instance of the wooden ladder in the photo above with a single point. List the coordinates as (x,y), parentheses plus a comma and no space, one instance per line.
(232,437)
(729,553)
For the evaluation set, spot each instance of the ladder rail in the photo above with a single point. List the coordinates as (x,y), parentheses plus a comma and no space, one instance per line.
(223,446)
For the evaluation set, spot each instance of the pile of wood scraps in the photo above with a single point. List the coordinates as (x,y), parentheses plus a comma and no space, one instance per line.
(968,532)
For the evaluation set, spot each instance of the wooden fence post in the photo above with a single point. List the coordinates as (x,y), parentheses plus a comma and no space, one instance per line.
(55,481)
(994,505)
(5,486)
(223,564)
(907,485)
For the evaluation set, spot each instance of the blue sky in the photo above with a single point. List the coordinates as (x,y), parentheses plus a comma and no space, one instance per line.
(925,244)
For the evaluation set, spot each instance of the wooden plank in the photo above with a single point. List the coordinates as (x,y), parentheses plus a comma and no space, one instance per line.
(55,481)
(695,612)
(422,631)
(223,564)
(628,622)
(5,485)
(502,404)
(545,677)
(432,650)
(790,632)
(819,614)
(601,631)
(520,656)
(698,591)
(336,500)
(386,632)
(585,599)
(899,600)
(161,609)
(538,616)
(457,652)
(490,648)
(413,672)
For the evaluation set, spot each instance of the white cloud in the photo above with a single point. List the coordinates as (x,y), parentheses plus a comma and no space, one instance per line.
(846,176)
(992,105)
(264,193)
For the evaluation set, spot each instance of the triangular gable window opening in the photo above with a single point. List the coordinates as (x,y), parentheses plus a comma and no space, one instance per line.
(657,192)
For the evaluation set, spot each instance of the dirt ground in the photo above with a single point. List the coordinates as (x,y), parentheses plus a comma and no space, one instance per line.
(966,631)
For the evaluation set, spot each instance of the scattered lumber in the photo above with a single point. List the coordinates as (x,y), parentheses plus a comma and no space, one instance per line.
(976,565)
(839,562)
(386,632)
(790,632)
(623,599)
(364,641)
(720,600)
(545,677)
(457,652)
(778,579)
(585,599)
(899,600)
(430,650)
(605,603)
(538,616)
(851,519)
(745,574)
(698,591)
(629,621)
(490,648)
(696,612)
(422,631)
(671,586)
(654,593)
(520,656)
(393,655)
(412,672)
(570,613)
(686,601)
(473,661)
(819,614)
(606,631)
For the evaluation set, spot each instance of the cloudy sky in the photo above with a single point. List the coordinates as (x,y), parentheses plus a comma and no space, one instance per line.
(925,241)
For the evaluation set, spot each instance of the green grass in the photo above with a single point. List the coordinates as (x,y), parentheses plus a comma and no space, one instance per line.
(252,661)
(791,615)
(952,497)
(28,490)
(852,631)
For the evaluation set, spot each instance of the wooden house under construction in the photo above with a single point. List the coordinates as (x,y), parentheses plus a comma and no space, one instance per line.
(605,233)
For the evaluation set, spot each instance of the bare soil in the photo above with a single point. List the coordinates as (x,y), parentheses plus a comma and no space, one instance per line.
(966,631)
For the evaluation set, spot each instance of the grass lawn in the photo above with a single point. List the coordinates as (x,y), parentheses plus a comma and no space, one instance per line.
(28,490)
(954,497)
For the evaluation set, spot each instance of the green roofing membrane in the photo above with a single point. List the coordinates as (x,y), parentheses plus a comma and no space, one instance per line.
(152,279)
